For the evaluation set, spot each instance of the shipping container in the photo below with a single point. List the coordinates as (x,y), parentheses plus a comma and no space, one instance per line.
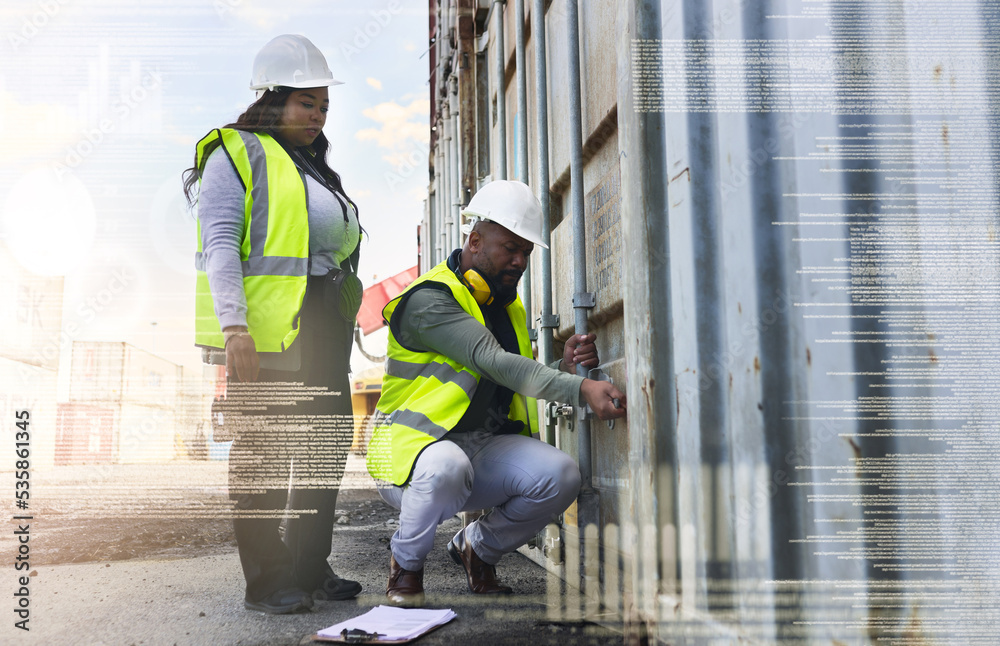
(153,421)
(115,371)
(780,219)
(84,435)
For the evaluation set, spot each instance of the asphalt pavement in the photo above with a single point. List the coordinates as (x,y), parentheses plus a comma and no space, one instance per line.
(197,599)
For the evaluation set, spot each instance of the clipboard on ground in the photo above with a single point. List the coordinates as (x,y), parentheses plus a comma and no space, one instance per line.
(386,625)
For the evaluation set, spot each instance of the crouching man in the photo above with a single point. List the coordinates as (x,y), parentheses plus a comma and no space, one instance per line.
(458,427)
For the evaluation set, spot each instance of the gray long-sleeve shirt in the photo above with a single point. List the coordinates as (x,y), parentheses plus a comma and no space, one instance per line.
(431,320)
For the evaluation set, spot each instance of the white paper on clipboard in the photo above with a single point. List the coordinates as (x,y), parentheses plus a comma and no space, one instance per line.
(393,624)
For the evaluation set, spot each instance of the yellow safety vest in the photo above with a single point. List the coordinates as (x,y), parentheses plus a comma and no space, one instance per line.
(275,245)
(425,394)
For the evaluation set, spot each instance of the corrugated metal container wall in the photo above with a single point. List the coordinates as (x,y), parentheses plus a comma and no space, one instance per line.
(151,380)
(97,372)
(830,239)
(142,389)
(602,213)
(791,238)
(84,434)
(117,371)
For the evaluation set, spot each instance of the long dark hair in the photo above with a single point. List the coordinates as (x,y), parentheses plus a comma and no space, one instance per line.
(263,116)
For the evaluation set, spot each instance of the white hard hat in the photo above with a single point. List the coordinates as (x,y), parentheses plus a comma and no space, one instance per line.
(293,61)
(512,205)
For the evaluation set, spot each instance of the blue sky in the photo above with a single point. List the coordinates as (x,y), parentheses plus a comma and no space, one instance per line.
(102,102)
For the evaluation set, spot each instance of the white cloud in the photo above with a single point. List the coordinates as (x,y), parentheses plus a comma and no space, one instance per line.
(401,130)
(374,82)
(407,158)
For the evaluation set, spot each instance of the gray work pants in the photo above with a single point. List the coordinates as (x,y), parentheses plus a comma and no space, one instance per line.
(524,480)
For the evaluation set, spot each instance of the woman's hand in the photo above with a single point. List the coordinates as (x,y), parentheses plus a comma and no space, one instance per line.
(241,354)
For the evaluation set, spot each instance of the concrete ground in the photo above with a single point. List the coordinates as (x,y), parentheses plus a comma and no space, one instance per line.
(197,598)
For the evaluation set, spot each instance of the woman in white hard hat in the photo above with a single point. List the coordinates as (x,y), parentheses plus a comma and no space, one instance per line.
(276,299)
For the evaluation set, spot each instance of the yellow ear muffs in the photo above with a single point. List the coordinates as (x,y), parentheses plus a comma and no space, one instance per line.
(479,286)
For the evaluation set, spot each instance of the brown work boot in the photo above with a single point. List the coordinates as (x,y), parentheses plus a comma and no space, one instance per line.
(481,575)
(406,587)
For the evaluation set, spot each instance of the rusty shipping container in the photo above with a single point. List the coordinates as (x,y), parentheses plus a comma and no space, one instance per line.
(780,218)
(84,434)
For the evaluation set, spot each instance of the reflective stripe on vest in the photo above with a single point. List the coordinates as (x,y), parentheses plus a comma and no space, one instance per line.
(274,250)
(425,394)
(442,372)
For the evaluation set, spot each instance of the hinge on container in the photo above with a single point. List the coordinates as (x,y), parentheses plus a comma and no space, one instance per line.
(552,549)
(598,375)
(585,299)
(548,321)
(555,409)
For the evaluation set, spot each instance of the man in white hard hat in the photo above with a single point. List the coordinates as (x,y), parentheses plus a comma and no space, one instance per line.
(457,421)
